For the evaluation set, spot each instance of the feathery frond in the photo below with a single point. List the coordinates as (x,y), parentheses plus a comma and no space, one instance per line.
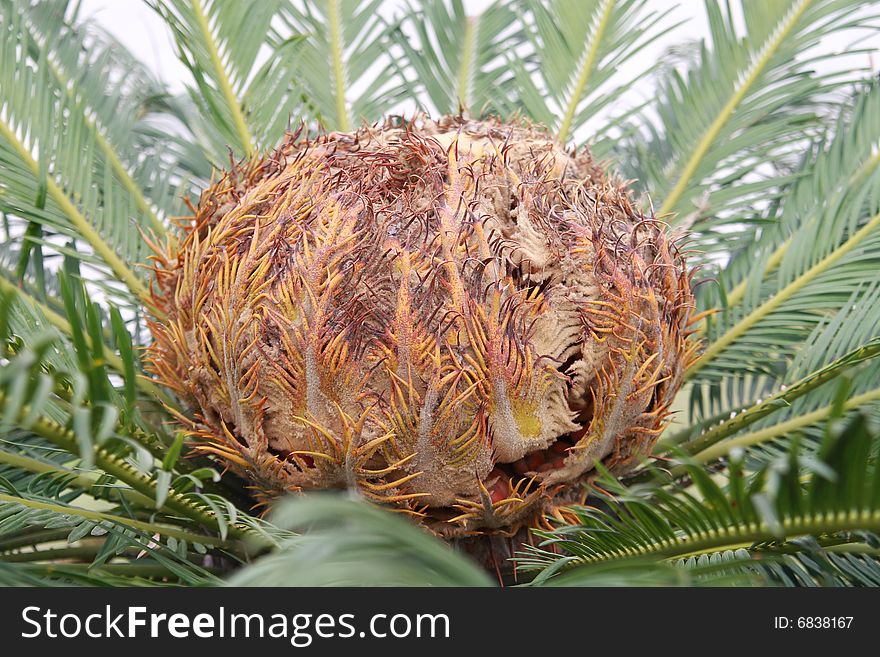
(343,64)
(840,498)
(245,99)
(578,48)
(725,126)
(459,60)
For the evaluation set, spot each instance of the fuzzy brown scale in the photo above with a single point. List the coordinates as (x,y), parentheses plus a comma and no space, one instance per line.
(456,318)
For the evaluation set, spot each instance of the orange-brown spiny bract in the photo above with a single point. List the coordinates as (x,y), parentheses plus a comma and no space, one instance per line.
(454,317)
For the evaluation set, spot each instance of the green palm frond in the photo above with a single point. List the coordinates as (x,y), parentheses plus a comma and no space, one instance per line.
(457,59)
(644,572)
(832,251)
(852,564)
(809,297)
(119,97)
(737,112)
(68,432)
(241,103)
(844,345)
(843,161)
(54,175)
(121,535)
(833,498)
(818,567)
(803,415)
(342,63)
(578,48)
(812,565)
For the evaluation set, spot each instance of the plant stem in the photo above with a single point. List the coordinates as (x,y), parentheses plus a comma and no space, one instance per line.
(78,480)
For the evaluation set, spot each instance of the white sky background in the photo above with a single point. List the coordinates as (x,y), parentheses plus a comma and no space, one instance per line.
(136,25)
(145,34)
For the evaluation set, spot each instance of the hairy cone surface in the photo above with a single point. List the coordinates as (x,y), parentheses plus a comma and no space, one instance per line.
(454,317)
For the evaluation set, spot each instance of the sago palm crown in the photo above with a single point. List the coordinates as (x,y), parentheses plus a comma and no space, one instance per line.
(456,317)
(396,281)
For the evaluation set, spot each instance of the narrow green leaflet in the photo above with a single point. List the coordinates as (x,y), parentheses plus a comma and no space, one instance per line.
(343,63)
(243,100)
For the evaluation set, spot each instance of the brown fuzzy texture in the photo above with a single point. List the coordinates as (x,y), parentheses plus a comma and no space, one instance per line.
(457,318)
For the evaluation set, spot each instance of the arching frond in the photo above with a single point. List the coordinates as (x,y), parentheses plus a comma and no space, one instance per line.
(832,252)
(60,171)
(244,99)
(725,126)
(765,513)
(578,48)
(459,60)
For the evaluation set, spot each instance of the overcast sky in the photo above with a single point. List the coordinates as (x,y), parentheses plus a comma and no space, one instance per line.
(136,25)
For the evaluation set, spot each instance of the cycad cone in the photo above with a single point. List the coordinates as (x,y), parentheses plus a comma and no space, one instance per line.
(456,318)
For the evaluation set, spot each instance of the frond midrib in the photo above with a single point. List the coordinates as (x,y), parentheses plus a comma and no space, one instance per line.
(468,59)
(588,61)
(99,516)
(336,55)
(223,80)
(737,293)
(781,429)
(733,536)
(756,315)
